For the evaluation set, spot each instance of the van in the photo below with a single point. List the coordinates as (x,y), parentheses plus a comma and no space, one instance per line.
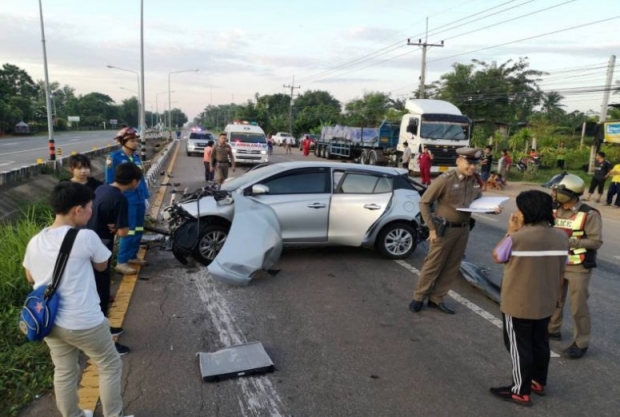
(248,143)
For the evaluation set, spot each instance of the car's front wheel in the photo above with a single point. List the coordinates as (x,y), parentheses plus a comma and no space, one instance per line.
(210,241)
(397,241)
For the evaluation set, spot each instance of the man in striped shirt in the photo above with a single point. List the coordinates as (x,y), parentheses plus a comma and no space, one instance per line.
(534,254)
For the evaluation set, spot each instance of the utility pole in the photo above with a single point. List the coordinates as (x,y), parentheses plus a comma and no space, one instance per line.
(603,116)
(51,144)
(424,45)
(290,113)
(142,100)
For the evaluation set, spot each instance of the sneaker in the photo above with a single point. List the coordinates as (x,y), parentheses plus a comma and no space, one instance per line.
(140,262)
(574,352)
(125,269)
(538,389)
(121,349)
(506,394)
(116,331)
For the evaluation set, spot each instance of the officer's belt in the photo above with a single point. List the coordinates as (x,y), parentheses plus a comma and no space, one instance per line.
(453,224)
(222,162)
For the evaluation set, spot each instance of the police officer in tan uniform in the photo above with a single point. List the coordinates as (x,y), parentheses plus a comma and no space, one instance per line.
(584,226)
(448,229)
(221,158)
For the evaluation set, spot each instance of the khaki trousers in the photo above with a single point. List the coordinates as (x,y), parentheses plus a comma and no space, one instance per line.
(441,265)
(575,288)
(97,344)
(221,172)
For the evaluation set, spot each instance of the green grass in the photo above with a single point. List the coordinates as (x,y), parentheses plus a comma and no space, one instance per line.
(25,368)
(544,175)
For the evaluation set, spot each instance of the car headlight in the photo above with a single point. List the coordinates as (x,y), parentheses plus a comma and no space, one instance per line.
(263,152)
(234,150)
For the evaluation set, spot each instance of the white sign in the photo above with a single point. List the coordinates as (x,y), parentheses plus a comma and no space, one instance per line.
(113,121)
(74,119)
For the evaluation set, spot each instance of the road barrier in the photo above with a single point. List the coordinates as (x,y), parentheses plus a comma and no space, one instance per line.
(154,171)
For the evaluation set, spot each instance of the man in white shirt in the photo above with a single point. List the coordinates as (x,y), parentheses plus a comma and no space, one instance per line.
(80,324)
(406,155)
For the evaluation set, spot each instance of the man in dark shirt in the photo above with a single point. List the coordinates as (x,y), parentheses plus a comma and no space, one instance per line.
(485,166)
(110,218)
(601,169)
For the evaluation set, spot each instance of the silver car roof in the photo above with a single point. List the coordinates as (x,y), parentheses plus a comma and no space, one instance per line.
(284,166)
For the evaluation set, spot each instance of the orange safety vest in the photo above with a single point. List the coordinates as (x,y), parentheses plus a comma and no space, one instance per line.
(574,228)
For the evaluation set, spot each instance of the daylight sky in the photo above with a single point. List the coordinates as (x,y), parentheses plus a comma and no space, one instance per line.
(242,47)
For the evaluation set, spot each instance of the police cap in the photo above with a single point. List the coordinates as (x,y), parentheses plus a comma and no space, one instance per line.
(472,155)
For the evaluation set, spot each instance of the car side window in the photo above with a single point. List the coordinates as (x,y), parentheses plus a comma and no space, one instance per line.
(299,183)
(365,184)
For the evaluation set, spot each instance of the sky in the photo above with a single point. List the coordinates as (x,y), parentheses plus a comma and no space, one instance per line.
(244,47)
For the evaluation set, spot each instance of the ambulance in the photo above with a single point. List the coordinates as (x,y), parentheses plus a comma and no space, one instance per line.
(248,143)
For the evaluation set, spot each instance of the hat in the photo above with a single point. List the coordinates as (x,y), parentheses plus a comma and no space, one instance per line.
(471,154)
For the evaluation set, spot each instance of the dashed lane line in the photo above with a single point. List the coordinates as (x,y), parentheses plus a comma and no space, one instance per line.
(467,303)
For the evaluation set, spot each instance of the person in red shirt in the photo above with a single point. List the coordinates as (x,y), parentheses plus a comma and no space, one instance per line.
(425,160)
(306,145)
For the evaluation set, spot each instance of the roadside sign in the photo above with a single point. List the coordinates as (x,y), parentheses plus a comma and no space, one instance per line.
(74,119)
(612,132)
(113,122)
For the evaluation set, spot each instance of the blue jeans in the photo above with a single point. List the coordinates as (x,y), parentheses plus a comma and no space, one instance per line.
(614,190)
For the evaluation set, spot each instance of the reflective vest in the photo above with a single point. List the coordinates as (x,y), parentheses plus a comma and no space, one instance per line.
(574,228)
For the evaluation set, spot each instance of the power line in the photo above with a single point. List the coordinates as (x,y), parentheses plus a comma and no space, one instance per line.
(528,38)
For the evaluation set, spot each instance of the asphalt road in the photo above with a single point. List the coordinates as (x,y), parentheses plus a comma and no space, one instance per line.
(24,151)
(336,323)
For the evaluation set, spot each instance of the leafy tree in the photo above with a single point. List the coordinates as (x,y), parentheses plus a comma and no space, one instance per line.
(178,118)
(368,111)
(315,108)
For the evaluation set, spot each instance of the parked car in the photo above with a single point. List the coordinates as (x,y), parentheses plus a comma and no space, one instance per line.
(317,204)
(197,142)
(280,137)
(313,139)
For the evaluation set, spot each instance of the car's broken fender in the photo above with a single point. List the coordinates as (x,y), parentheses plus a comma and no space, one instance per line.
(254,243)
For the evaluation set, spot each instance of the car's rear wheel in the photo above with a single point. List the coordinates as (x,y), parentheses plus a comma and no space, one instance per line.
(210,241)
(397,241)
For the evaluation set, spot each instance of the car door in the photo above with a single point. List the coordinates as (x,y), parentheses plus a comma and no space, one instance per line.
(300,198)
(359,200)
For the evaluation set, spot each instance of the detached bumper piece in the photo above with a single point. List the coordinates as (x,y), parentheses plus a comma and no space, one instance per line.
(235,361)
(477,277)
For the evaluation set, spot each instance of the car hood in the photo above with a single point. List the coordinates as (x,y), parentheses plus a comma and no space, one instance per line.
(254,243)
(209,206)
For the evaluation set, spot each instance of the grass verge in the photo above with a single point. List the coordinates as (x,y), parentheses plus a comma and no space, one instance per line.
(26,369)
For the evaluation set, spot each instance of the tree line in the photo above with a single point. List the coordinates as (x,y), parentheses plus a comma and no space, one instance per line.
(23,100)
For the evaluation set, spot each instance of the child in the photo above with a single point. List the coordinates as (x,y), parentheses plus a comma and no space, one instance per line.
(80,168)
(111,218)
(492,180)
(499,182)
(80,325)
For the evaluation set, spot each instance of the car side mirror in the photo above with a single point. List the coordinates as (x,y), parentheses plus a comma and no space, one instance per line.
(260,189)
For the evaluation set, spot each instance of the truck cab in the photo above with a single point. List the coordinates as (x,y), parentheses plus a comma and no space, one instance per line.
(248,143)
(437,125)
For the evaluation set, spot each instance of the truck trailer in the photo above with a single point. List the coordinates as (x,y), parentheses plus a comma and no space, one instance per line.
(435,124)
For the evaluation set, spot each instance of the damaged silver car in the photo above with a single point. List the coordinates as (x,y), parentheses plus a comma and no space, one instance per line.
(316,204)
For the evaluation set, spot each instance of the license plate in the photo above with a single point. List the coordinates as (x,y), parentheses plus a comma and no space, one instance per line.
(443,169)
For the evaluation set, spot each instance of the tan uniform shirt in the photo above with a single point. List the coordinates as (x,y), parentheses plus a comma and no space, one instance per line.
(534,272)
(451,190)
(222,153)
(593,238)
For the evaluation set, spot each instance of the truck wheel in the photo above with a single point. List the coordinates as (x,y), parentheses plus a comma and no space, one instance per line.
(328,154)
(372,157)
(210,241)
(364,157)
(397,241)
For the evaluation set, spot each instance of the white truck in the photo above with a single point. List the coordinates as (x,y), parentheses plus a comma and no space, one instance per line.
(439,126)
(248,143)
(281,137)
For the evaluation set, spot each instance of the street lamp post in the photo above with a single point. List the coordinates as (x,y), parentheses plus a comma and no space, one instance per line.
(48,101)
(142,99)
(157,104)
(140,110)
(170,99)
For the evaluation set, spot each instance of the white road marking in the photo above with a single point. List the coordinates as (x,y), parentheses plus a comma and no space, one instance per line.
(260,397)
(464,301)
(6,163)
(617,257)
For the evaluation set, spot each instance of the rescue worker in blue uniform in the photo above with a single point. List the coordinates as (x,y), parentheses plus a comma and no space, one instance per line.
(137,200)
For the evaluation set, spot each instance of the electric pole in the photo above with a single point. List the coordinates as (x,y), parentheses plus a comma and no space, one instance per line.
(603,116)
(290,113)
(424,45)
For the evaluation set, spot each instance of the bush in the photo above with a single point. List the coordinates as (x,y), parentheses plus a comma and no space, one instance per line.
(25,368)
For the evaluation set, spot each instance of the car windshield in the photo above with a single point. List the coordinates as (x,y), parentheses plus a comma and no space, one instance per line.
(249,178)
(195,135)
(447,131)
(248,137)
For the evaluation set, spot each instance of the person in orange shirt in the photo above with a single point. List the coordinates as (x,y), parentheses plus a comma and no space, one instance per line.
(207,161)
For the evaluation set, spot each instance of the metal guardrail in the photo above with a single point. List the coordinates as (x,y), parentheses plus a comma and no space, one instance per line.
(154,170)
